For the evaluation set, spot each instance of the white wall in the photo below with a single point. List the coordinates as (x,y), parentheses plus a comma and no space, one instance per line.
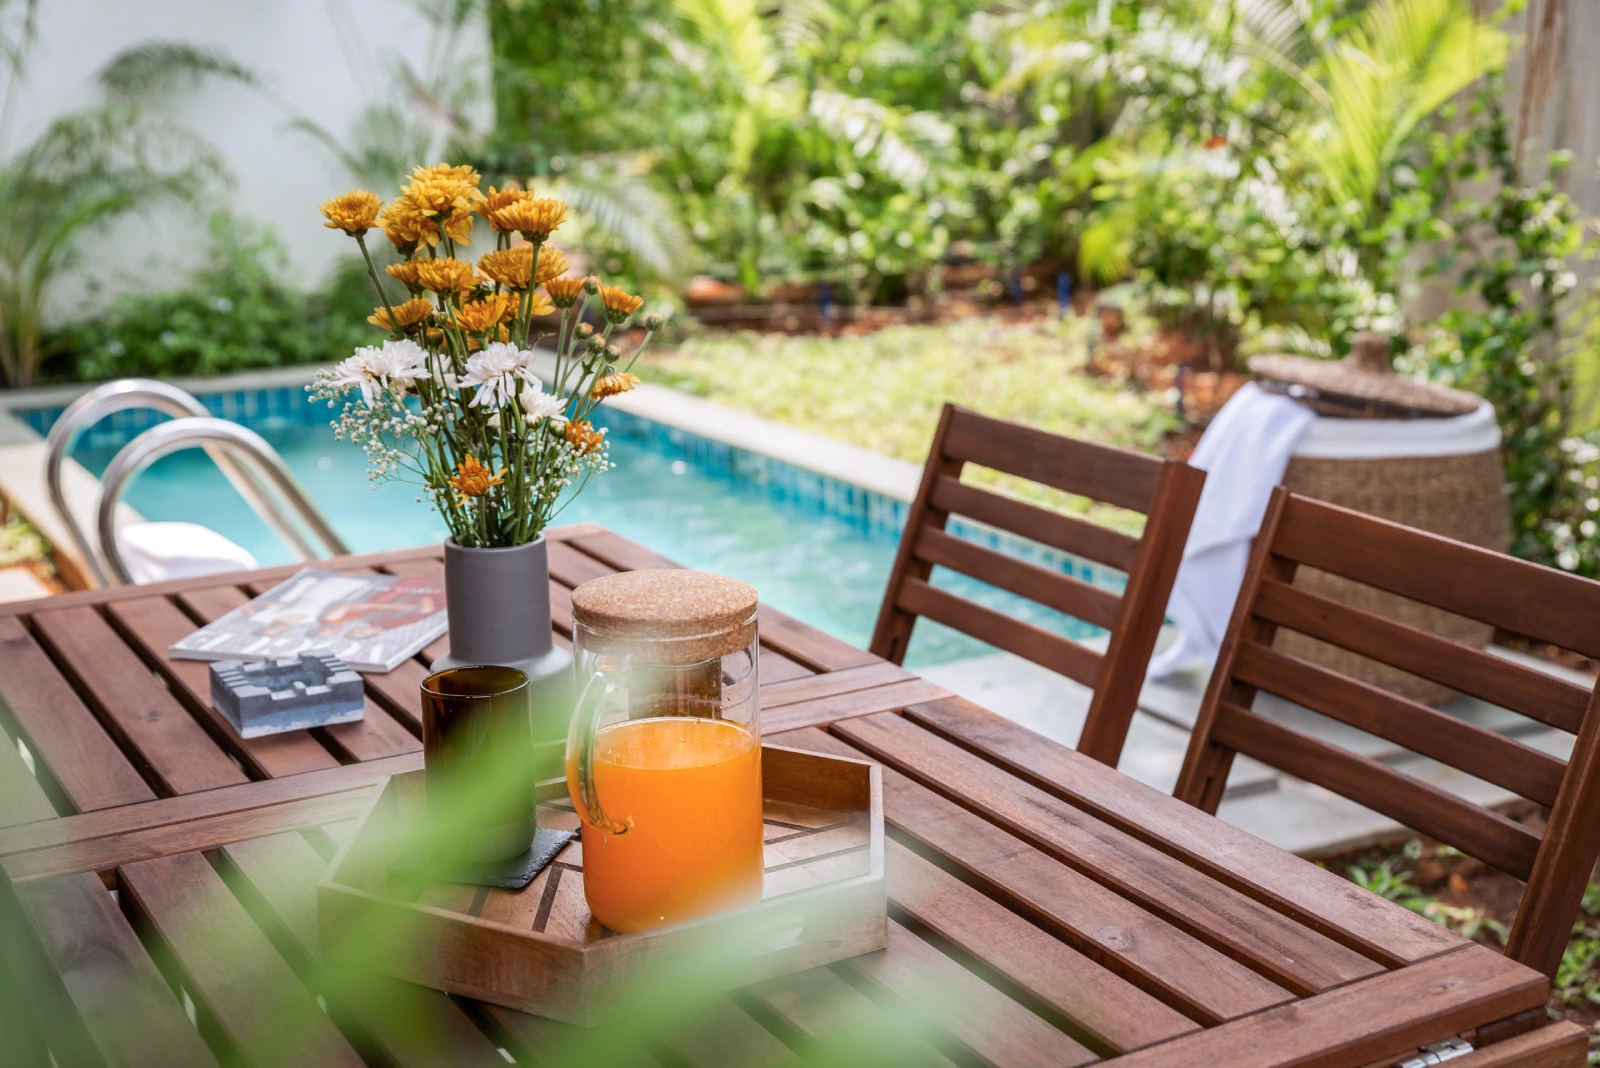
(327,58)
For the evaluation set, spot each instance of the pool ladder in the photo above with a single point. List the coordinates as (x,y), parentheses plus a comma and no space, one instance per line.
(253,467)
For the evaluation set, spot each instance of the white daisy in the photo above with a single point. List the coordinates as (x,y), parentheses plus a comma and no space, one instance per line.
(539,405)
(397,365)
(496,372)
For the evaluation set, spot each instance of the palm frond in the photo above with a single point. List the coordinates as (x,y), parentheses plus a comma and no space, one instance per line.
(1290,338)
(807,27)
(903,145)
(19,25)
(153,67)
(450,15)
(1105,246)
(619,200)
(733,30)
(85,169)
(1403,61)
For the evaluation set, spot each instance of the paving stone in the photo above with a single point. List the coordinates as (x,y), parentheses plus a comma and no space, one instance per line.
(21,584)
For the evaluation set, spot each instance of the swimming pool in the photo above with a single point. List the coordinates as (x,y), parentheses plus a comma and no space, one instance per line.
(814,547)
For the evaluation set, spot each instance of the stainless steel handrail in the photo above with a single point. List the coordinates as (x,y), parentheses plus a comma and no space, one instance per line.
(202,432)
(150,393)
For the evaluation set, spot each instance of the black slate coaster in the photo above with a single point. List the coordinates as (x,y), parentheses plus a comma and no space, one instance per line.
(512,874)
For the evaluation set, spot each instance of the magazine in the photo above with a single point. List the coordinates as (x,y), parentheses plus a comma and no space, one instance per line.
(371,622)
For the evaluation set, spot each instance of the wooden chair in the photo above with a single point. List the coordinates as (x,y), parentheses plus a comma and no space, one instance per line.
(1165,491)
(1542,603)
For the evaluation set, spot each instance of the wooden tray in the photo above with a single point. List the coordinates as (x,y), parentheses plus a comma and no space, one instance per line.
(539,949)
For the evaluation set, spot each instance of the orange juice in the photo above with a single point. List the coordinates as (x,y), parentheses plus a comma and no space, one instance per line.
(689,791)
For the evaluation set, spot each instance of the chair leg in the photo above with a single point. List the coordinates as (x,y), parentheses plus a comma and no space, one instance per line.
(1204,777)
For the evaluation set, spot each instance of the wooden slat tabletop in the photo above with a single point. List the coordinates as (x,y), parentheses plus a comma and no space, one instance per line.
(1044,909)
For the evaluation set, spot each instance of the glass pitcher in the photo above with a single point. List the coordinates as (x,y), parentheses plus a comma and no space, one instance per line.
(664,751)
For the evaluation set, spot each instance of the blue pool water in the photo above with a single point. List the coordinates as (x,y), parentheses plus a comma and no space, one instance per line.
(815,548)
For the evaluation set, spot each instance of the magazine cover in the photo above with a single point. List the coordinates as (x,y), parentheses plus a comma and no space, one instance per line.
(371,622)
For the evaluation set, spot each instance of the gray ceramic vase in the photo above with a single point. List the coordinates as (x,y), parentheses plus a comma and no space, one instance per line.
(498,602)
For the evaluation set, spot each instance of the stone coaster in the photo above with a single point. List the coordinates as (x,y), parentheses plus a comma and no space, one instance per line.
(291,693)
(512,874)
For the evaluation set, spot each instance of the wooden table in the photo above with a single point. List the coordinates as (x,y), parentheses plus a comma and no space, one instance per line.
(1057,912)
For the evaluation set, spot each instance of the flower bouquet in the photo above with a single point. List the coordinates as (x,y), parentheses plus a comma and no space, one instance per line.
(451,398)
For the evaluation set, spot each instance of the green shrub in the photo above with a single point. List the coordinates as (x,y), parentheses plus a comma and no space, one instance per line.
(235,314)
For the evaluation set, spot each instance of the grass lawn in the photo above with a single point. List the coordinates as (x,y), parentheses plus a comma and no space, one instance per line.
(883,391)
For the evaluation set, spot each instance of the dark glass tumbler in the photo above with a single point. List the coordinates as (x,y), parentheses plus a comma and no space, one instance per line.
(477,741)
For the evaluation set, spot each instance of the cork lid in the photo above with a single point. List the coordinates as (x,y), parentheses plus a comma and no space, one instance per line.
(1362,385)
(685,616)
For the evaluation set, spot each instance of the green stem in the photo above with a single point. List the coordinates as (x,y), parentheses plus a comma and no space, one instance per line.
(533,280)
(372,272)
(561,347)
(648,334)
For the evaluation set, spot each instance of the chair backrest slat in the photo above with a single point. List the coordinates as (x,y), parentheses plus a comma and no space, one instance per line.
(1499,841)
(1165,491)
(1115,476)
(1484,586)
(1480,584)
(1024,639)
(1067,533)
(1423,730)
(1552,701)
(1065,594)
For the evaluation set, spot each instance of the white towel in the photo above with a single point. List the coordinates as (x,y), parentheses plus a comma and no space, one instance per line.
(155,552)
(1244,453)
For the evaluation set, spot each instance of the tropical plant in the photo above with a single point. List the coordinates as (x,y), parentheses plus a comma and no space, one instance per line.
(1511,252)
(1377,85)
(425,111)
(87,169)
(420,112)
(1261,152)
(799,140)
(233,312)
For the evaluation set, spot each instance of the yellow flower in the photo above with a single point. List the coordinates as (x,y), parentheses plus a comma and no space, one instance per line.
(511,267)
(458,227)
(612,384)
(446,195)
(539,305)
(584,437)
(501,198)
(445,275)
(404,273)
(564,291)
(462,173)
(407,225)
(354,213)
(472,479)
(619,305)
(533,219)
(410,313)
(552,264)
(442,191)
(479,315)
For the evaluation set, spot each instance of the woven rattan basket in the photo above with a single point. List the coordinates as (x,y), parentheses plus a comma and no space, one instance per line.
(1460,494)
(1461,497)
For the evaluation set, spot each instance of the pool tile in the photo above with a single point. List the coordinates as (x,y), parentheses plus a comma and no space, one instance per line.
(869,513)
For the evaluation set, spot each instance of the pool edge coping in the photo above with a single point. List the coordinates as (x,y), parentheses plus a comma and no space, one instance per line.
(843,462)
(22,480)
